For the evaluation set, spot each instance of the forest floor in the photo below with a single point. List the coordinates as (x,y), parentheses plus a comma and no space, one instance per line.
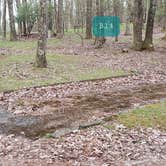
(68,61)
(118,120)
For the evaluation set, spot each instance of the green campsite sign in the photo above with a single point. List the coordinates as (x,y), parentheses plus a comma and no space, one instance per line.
(106,26)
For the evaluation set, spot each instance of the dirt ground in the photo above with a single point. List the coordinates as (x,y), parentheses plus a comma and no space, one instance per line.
(97,145)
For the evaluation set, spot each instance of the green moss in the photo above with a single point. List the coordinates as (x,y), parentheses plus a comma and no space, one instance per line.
(153,115)
(48,135)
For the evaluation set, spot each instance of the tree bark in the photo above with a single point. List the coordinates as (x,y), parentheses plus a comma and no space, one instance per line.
(67,15)
(89,19)
(147,10)
(4,20)
(60,20)
(138,25)
(83,14)
(0,18)
(71,14)
(164,22)
(18,3)
(13,36)
(50,14)
(116,4)
(24,2)
(99,41)
(128,18)
(42,28)
(148,42)
(54,28)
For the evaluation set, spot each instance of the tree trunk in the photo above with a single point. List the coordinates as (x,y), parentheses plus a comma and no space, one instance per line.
(67,15)
(54,28)
(4,20)
(116,9)
(89,19)
(13,36)
(83,14)
(148,42)
(77,22)
(24,22)
(24,28)
(18,3)
(164,22)
(147,9)
(127,29)
(128,18)
(42,28)
(99,41)
(138,25)
(0,18)
(60,19)
(50,22)
(71,14)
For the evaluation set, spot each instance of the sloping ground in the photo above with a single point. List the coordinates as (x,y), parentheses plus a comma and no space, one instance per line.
(37,111)
(23,99)
(68,61)
(74,112)
(90,100)
(95,146)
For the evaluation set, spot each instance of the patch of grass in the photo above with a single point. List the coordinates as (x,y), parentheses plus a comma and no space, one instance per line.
(48,135)
(100,73)
(18,72)
(123,27)
(109,127)
(29,44)
(153,115)
(53,41)
(26,45)
(71,31)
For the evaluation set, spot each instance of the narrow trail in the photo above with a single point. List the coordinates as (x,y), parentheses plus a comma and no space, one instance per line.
(79,110)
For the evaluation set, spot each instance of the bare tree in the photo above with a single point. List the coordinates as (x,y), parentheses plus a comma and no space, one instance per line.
(138,25)
(13,35)
(18,3)
(164,22)
(54,28)
(116,5)
(99,41)
(4,20)
(0,17)
(24,2)
(89,19)
(50,16)
(71,14)
(128,18)
(42,28)
(148,42)
(67,15)
(60,19)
